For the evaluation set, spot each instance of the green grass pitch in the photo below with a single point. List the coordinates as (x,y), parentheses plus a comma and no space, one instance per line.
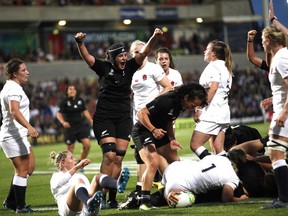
(39,195)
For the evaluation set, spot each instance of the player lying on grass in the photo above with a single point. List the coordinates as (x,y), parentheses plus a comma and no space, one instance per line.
(210,173)
(73,192)
(204,178)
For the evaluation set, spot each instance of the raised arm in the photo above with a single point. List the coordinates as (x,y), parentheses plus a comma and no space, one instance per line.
(274,20)
(147,48)
(85,55)
(250,49)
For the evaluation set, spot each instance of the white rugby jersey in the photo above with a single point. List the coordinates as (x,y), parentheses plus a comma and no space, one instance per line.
(10,127)
(212,172)
(218,109)
(174,77)
(61,182)
(278,71)
(145,85)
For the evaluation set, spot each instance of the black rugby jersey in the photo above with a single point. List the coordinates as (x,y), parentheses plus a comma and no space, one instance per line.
(163,109)
(114,85)
(72,110)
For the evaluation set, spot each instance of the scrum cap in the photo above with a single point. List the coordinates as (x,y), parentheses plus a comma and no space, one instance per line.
(114,50)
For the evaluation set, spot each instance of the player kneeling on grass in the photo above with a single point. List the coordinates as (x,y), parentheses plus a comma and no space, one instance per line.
(73,192)
(199,177)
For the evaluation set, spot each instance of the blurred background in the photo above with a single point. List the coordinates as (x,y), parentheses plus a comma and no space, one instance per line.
(41,32)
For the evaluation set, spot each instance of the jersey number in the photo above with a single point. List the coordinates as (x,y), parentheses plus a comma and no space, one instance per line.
(209,168)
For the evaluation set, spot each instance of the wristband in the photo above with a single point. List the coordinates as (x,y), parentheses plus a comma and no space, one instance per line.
(153,130)
(273,18)
(250,41)
(78,40)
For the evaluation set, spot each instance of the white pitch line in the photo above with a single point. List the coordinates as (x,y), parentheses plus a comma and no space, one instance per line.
(94,168)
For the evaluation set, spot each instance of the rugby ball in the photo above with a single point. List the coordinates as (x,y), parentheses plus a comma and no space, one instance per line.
(185,199)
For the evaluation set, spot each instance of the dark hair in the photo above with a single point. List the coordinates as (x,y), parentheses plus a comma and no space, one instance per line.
(165,50)
(113,51)
(67,86)
(238,156)
(12,66)
(193,90)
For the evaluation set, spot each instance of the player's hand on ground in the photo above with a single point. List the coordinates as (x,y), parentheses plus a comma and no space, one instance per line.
(243,197)
(172,199)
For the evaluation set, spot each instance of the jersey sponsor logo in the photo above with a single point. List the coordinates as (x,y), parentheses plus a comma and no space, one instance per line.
(69,103)
(79,102)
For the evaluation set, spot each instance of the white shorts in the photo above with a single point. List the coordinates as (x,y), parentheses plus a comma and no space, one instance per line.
(280,131)
(16,147)
(64,210)
(210,128)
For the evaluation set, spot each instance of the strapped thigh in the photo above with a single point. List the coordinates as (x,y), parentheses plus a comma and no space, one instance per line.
(120,152)
(108,147)
(276,144)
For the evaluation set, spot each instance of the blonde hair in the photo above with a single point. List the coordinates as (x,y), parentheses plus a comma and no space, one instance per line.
(136,43)
(222,52)
(57,158)
(276,36)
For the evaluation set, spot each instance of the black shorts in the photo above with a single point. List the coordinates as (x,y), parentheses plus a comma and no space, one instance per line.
(72,134)
(112,126)
(142,137)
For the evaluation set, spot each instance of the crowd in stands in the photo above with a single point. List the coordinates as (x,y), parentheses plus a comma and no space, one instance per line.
(191,44)
(249,88)
(95,2)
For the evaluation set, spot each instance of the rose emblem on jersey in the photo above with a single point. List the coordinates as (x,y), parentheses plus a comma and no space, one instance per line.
(144,77)
(172,83)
